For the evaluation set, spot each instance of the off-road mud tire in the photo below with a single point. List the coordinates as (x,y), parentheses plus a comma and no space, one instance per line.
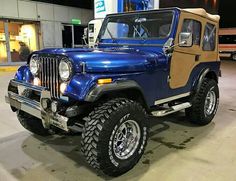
(196,114)
(101,124)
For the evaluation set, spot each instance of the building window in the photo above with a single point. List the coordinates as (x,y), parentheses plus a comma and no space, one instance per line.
(194,27)
(227,39)
(20,40)
(3,49)
(209,42)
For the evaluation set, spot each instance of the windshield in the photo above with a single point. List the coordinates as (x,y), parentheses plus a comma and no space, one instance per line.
(148,25)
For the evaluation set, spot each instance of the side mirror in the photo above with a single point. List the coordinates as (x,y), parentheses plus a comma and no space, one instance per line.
(140,20)
(185,39)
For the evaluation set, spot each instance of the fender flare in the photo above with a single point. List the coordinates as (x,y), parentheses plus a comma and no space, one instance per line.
(201,78)
(98,90)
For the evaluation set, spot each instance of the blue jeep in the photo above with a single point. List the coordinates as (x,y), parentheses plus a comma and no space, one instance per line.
(145,63)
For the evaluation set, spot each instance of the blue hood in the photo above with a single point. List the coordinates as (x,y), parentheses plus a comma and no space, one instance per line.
(107,59)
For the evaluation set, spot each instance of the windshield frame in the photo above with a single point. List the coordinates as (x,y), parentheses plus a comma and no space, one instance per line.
(136,13)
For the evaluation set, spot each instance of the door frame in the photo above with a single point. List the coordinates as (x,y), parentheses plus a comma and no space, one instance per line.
(72,32)
(7,41)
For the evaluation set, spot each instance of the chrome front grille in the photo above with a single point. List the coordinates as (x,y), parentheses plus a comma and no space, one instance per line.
(49,75)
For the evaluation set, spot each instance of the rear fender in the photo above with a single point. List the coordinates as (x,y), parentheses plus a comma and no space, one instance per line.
(206,73)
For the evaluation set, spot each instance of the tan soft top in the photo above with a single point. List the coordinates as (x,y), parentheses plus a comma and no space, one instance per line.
(202,12)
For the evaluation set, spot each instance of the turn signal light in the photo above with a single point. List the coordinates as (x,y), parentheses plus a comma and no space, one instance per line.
(104,81)
(36,81)
(63,87)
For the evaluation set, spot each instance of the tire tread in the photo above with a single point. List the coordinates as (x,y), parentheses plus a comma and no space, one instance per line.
(94,125)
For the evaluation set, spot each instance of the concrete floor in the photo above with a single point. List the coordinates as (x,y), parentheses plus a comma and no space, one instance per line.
(176,150)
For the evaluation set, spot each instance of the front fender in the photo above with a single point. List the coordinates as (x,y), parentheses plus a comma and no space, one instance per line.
(84,87)
(98,91)
(24,74)
(79,85)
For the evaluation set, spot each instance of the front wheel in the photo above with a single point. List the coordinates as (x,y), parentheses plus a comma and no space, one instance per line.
(204,103)
(115,136)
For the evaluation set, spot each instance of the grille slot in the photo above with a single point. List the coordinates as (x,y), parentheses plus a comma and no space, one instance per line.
(49,75)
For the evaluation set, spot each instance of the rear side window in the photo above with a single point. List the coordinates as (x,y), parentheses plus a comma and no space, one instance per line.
(194,27)
(209,42)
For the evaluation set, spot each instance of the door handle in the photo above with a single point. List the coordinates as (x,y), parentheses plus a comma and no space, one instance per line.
(197,57)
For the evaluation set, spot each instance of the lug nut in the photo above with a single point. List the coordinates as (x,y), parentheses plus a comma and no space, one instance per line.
(36,81)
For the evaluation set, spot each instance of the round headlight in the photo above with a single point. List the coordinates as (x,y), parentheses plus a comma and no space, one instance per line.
(34,65)
(65,70)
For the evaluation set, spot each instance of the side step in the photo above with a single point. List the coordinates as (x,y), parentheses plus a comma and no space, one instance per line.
(171,110)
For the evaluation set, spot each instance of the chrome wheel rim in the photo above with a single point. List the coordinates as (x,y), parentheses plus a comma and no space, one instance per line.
(234,57)
(126,139)
(210,103)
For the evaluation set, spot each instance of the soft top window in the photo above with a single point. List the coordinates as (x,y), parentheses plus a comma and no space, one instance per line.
(194,27)
(209,41)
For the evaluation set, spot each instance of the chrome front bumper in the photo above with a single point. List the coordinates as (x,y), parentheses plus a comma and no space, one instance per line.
(33,107)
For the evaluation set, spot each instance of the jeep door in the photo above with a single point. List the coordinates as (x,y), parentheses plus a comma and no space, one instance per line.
(203,49)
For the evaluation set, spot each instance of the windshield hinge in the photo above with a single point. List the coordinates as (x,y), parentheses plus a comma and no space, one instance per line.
(83,67)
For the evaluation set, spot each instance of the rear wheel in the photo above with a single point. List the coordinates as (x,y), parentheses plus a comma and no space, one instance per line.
(234,56)
(32,124)
(204,103)
(115,136)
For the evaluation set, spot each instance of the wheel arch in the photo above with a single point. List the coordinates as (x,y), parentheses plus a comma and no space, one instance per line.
(212,75)
(127,88)
(206,73)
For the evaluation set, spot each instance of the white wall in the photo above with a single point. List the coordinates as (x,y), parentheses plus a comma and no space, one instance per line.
(9,8)
(51,34)
(27,10)
(46,11)
(51,17)
(30,10)
(156,4)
